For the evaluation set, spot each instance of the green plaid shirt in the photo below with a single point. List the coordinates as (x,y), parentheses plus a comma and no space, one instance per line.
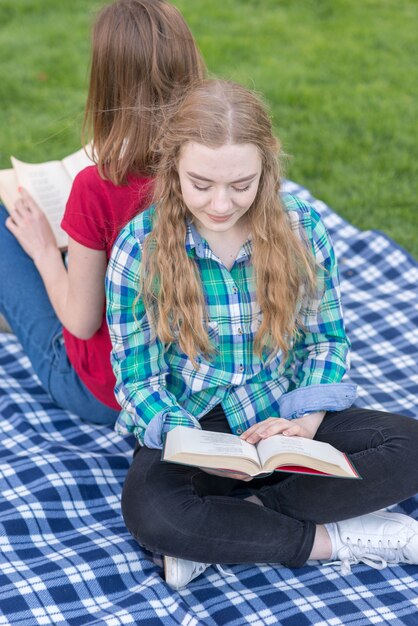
(158,387)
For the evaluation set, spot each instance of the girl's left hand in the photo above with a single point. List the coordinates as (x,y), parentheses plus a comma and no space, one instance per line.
(305,426)
(226,474)
(30,226)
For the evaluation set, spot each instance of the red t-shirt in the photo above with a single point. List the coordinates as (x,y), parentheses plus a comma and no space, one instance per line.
(96,211)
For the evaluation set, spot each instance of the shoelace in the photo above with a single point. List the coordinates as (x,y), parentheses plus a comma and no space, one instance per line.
(199,568)
(376,557)
(224,572)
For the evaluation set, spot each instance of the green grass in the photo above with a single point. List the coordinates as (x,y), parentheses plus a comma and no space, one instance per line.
(340,77)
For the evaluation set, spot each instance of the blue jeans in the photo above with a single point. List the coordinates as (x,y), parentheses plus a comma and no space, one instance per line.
(25,304)
(184,512)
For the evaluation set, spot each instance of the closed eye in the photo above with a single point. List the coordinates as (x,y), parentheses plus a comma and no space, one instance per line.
(241,189)
(207,187)
(199,188)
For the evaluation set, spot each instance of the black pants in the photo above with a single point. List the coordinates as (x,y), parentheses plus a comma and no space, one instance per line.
(184,512)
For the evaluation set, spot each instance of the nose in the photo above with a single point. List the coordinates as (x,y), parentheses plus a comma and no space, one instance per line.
(221,201)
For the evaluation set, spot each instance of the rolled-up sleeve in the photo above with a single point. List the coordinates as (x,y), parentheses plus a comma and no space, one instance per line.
(321,349)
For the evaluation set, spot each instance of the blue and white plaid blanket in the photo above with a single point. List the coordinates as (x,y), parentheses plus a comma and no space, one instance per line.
(65,555)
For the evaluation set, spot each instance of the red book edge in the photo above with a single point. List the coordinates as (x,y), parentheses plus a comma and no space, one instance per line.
(300,469)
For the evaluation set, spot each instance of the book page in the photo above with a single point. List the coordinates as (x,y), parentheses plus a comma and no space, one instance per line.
(207,443)
(74,163)
(50,186)
(8,188)
(279,444)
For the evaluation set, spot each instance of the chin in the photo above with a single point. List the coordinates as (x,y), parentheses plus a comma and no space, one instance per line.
(219,227)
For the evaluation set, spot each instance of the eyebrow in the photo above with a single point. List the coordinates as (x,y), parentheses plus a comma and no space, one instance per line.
(234,182)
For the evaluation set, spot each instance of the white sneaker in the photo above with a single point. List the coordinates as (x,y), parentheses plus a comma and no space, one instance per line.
(179,572)
(377,539)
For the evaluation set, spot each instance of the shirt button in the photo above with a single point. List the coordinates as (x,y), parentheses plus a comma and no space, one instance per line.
(239,431)
(235,289)
(241,368)
(240,331)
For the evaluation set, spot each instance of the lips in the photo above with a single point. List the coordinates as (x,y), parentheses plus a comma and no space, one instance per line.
(220,219)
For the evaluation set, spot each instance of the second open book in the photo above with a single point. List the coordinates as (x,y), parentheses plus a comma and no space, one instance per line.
(49,184)
(221,451)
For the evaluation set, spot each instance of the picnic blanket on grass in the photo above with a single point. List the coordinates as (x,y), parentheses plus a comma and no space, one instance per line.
(65,555)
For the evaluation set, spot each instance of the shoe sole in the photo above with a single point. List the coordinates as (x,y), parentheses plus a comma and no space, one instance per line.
(168,572)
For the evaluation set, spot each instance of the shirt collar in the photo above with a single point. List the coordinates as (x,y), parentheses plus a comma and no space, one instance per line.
(194,241)
(195,244)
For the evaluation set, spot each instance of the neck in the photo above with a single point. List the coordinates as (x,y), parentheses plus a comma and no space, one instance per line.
(226,245)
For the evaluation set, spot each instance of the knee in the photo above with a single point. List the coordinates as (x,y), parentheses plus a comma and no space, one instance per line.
(161,514)
(411,438)
(134,513)
(407,428)
(148,520)
(404,445)
(143,502)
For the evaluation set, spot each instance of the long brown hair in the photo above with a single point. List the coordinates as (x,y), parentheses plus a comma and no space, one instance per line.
(143,56)
(215,113)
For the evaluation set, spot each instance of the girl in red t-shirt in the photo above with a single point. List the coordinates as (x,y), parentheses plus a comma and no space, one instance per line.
(143,57)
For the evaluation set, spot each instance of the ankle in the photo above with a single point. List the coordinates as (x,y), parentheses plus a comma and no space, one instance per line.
(322,545)
(377,539)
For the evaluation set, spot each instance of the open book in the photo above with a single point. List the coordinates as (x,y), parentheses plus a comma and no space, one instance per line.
(202,448)
(48,183)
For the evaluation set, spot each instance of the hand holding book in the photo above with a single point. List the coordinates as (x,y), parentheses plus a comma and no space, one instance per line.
(305,426)
(31,227)
(48,183)
(223,451)
(223,473)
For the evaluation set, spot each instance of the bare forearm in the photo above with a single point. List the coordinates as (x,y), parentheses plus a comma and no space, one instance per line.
(77,296)
(311,421)
(79,312)
(55,277)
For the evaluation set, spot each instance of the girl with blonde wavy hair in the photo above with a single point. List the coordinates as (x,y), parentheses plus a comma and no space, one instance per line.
(225,315)
(282,264)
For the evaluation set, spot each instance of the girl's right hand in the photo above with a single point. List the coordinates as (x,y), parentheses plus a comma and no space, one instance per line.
(30,226)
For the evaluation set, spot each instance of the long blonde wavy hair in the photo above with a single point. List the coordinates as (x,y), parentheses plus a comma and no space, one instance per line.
(215,113)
